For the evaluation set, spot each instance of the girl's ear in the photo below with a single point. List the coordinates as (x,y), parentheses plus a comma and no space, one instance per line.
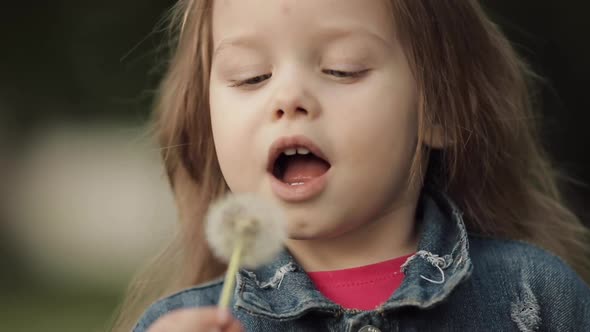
(434,137)
(434,134)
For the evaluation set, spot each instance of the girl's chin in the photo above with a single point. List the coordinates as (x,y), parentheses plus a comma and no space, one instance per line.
(309,232)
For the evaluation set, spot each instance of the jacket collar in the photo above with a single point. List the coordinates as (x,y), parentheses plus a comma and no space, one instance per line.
(282,290)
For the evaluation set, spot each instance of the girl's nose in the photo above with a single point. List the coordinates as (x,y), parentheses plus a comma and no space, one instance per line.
(294,99)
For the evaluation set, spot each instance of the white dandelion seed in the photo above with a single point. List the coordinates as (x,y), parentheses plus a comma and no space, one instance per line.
(244,230)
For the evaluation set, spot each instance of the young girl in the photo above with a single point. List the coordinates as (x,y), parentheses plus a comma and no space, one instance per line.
(397,137)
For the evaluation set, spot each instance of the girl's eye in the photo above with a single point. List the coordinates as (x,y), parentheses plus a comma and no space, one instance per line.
(344,74)
(251,81)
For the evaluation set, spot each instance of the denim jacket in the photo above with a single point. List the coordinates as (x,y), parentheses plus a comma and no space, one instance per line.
(454,282)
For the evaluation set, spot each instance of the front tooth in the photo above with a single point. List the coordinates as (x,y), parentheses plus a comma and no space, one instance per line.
(290,152)
(302,151)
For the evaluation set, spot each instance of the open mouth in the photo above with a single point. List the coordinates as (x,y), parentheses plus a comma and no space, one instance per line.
(296,161)
(296,166)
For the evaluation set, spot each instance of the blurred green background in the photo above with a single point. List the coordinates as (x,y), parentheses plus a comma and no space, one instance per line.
(83,199)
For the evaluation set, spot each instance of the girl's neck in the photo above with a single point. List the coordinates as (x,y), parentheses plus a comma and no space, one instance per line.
(392,235)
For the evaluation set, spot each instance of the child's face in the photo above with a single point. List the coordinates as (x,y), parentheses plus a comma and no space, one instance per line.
(366,126)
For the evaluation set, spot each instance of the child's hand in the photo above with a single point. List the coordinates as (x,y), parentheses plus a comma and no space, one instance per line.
(204,319)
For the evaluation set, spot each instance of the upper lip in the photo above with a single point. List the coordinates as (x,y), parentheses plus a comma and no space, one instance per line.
(286,142)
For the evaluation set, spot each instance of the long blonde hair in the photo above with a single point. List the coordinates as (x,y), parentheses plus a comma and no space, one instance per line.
(471,83)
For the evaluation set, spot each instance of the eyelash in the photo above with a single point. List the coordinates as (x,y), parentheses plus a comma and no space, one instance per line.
(337,73)
(251,81)
(342,74)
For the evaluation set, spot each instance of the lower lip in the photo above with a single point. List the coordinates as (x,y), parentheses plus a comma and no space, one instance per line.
(301,192)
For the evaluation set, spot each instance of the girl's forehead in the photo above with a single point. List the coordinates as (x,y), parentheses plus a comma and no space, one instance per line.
(277,18)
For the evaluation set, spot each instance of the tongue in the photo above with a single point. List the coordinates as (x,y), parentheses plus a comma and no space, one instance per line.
(299,168)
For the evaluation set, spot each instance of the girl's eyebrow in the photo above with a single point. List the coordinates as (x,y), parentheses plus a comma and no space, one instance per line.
(324,34)
(244,41)
(335,33)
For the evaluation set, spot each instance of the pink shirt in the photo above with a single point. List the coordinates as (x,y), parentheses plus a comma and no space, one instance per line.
(365,287)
